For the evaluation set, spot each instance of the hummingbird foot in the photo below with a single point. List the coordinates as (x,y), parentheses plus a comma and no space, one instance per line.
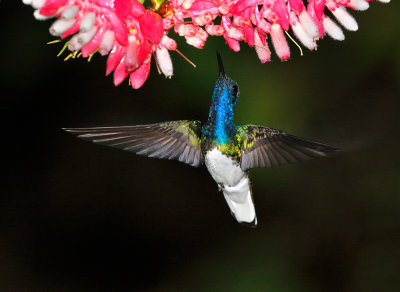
(220,187)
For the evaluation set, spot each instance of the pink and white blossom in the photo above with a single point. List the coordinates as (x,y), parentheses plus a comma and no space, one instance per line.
(130,33)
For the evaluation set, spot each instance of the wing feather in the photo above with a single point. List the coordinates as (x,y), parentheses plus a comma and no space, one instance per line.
(277,152)
(265,147)
(285,152)
(271,155)
(183,156)
(267,161)
(171,140)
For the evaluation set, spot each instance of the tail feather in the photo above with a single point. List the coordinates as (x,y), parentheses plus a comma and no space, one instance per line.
(240,202)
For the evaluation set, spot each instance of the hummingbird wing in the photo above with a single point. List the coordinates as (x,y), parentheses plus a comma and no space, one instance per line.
(170,140)
(265,147)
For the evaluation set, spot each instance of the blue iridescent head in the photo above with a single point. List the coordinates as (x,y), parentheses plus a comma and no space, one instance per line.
(226,90)
(220,120)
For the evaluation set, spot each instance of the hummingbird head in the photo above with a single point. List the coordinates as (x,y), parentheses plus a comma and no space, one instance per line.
(225,97)
(226,90)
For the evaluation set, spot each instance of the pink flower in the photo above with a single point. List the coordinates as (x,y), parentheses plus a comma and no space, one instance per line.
(240,19)
(122,29)
(130,34)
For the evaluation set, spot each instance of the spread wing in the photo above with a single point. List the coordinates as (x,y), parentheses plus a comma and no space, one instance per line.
(265,147)
(170,140)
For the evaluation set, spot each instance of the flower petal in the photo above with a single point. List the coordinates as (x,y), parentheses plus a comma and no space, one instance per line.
(121,7)
(242,5)
(137,9)
(261,47)
(120,73)
(249,36)
(151,26)
(131,54)
(309,25)
(50,7)
(94,44)
(121,33)
(139,76)
(114,58)
(319,6)
(107,42)
(311,11)
(164,61)
(124,7)
(280,8)
(279,41)
(233,44)
(201,7)
(332,29)
(73,29)
(297,5)
(144,51)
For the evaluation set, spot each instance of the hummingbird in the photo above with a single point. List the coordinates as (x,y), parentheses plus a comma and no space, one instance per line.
(228,151)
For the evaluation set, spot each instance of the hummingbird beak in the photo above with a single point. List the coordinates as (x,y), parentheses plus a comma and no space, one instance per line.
(220,66)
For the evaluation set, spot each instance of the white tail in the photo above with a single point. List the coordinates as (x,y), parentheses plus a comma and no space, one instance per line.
(240,201)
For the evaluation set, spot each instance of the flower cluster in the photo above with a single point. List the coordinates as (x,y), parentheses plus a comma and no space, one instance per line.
(130,34)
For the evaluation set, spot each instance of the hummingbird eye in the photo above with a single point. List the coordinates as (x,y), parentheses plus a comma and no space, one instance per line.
(235,89)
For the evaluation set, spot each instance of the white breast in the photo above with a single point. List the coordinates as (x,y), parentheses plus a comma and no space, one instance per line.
(235,185)
(223,169)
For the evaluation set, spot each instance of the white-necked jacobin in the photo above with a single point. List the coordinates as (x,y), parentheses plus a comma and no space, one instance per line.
(227,150)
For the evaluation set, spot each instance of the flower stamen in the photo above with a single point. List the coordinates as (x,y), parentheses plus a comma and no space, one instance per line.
(183,56)
(290,37)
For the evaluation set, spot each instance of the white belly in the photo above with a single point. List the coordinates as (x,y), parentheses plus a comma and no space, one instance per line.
(223,169)
(235,186)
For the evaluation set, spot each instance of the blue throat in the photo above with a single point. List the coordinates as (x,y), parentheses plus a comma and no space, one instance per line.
(220,120)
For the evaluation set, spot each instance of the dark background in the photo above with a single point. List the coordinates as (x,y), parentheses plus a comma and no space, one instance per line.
(75,216)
